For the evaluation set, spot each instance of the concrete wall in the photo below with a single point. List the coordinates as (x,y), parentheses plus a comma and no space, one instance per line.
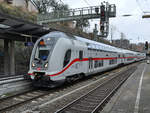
(22,3)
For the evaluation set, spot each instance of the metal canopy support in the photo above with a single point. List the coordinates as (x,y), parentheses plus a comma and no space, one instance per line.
(12,57)
(9,57)
(14,29)
(18,27)
(6,57)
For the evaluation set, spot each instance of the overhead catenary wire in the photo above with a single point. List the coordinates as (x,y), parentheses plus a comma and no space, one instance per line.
(34,3)
(141,9)
(132,36)
(138,3)
(87,2)
(61,1)
(148,6)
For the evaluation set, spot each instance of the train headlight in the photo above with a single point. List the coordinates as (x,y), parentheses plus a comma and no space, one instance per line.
(46,65)
(33,65)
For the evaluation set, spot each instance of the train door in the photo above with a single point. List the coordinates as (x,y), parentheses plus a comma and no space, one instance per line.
(90,65)
(81,58)
(122,59)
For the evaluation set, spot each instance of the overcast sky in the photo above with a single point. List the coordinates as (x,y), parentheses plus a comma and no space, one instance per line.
(134,27)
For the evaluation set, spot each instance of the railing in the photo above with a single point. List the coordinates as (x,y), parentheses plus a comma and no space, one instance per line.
(78,13)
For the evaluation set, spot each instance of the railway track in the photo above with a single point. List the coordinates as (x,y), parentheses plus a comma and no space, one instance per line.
(94,100)
(19,99)
(10,102)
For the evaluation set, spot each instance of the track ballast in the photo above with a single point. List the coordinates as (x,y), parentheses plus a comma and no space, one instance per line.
(94,100)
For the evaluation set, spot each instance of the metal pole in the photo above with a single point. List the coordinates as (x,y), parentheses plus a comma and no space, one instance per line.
(12,57)
(111,35)
(6,57)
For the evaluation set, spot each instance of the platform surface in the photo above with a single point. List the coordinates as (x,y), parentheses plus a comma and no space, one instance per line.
(134,95)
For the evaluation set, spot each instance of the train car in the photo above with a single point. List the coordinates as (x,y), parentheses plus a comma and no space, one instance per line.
(140,56)
(58,57)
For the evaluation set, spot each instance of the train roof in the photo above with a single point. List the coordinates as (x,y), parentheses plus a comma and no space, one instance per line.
(97,45)
(56,34)
(90,43)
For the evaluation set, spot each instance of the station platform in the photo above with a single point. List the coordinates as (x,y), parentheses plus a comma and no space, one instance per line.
(134,94)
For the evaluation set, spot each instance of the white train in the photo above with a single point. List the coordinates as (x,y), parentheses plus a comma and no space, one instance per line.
(58,57)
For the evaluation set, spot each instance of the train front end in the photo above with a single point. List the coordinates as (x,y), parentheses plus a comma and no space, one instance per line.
(40,62)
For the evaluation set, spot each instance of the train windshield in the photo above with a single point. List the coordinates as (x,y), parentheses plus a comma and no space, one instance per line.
(41,53)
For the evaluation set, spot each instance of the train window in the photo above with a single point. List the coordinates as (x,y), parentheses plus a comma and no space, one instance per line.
(80,55)
(96,64)
(67,57)
(43,54)
(113,61)
(130,59)
(101,63)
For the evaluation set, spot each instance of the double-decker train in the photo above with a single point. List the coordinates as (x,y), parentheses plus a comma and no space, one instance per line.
(58,57)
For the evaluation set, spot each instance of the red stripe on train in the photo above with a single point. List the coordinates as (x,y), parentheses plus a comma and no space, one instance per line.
(84,59)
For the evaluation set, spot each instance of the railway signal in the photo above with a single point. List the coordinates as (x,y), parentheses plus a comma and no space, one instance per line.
(103,15)
(102,28)
(146,45)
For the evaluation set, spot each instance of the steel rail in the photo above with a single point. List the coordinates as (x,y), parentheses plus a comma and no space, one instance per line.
(4,101)
(14,105)
(101,94)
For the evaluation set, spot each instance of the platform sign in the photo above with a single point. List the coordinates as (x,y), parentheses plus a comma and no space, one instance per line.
(29,44)
(1,54)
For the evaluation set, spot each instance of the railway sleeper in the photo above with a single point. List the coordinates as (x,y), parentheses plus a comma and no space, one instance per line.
(83,108)
(91,100)
(96,96)
(87,105)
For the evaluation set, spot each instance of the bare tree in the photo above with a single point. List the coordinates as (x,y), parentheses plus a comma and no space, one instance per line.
(80,24)
(26,3)
(44,6)
(41,5)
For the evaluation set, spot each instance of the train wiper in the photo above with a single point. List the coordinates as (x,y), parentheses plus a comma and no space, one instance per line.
(37,59)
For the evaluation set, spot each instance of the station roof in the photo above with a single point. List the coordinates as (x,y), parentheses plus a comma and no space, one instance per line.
(20,30)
